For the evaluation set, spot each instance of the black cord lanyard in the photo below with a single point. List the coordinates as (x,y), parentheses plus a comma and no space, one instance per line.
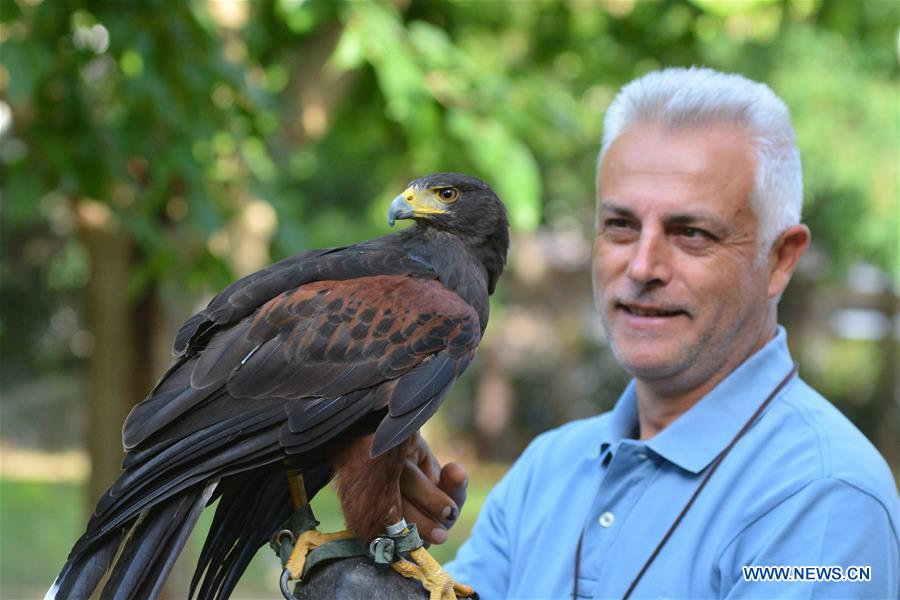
(690,502)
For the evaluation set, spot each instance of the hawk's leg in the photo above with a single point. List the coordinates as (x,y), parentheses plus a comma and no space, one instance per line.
(433,577)
(298,489)
(309,539)
(370,497)
(305,543)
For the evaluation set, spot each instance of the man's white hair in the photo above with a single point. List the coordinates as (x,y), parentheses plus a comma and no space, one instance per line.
(678,98)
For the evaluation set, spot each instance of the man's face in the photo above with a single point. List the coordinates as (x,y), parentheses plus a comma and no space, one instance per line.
(674,266)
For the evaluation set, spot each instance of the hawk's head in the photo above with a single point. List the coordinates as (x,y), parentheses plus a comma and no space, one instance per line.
(463,206)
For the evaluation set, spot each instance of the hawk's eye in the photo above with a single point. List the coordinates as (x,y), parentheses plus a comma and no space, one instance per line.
(448,194)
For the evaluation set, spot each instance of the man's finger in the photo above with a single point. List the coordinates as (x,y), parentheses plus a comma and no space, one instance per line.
(422,456)
(417,489)
(431,531)
(454,481)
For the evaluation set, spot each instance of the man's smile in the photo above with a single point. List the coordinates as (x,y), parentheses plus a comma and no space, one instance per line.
(649,316)
(650,311)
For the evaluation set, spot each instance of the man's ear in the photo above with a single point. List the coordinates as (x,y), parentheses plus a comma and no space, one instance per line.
(786,252)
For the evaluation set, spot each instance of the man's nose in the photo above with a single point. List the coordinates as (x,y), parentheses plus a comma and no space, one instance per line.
(650,259)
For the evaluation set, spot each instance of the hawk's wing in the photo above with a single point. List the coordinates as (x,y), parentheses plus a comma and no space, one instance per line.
(334,350)
(382,256)
(292,376)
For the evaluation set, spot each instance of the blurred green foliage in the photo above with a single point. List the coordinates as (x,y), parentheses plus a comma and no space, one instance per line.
(167,114)
(172,117)
(38,520)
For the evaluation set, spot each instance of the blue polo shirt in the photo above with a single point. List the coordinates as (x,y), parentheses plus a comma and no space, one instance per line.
(802,488)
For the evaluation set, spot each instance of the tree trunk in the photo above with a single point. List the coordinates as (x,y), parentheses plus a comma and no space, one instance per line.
(132,347)
(493,407)
(114,362)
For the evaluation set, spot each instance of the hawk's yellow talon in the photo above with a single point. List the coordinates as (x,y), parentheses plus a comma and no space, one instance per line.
(432,576)
(308,540)
(462,590)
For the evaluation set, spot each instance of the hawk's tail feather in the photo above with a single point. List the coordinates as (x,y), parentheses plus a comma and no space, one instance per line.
(82,572)
(251,507)
(153,544)
(144,559)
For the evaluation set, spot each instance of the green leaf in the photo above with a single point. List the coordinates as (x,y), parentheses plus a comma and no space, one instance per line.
(350,53)
(731,7)
(506,162)
(257,157)
(22,63)
(21,194)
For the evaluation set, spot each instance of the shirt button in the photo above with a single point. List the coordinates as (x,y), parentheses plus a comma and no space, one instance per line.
(606,519)
(642,456)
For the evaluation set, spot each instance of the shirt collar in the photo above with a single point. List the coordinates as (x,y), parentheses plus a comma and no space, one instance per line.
(695,439)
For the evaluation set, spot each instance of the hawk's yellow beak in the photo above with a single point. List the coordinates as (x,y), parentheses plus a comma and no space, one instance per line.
(414,203)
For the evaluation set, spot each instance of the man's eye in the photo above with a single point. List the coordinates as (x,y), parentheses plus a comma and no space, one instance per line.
(448,194)
(693,232)
(619,230)
(617,223)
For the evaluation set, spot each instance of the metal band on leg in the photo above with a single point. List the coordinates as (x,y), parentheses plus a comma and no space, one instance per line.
(398,538)
(397,528)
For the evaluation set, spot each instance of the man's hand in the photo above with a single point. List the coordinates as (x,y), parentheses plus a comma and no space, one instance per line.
(432,496)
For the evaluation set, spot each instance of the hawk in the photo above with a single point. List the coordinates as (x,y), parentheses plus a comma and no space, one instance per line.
(323,364)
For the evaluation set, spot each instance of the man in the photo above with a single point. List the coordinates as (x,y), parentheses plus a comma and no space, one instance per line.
(698,234)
